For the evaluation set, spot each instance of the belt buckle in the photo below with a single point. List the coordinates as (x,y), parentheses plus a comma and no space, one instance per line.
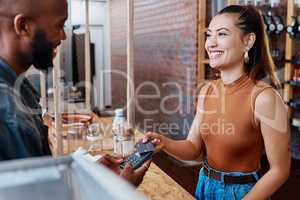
(208,175)
(208,170)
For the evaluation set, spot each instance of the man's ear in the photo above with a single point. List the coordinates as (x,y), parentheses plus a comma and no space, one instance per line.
(249,40)
(22,25)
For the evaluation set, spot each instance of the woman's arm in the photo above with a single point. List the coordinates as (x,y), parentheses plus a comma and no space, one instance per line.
(193,146)
(272,115)
(189,149)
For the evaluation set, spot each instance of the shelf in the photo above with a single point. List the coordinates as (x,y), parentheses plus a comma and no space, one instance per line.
(293,83)
(294,61)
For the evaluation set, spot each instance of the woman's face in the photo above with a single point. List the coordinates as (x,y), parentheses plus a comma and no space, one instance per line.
(224,44)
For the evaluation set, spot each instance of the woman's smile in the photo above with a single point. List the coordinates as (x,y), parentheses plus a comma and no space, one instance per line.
(214,54)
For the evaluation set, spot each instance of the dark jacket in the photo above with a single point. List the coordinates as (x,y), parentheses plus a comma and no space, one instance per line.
(22,132)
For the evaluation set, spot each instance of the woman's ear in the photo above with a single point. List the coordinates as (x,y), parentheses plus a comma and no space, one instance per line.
(249,40)
(22,25)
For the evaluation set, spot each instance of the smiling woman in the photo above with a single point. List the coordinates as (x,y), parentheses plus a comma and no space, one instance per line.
(231,36)
(223,43)
(237,47)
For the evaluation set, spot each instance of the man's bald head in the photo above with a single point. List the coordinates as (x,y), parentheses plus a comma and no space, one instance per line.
(27,26)
(13,7)
(34,8)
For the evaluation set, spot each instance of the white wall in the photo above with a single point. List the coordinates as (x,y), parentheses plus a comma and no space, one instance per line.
(100,37)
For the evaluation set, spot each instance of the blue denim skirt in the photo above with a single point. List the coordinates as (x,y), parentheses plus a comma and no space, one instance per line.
(211,189)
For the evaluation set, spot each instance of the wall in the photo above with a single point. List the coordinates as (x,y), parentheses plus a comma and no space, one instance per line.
(101,38)
(165,62)
(118,51)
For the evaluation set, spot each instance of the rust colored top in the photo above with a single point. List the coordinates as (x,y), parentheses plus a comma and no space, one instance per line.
(229,130)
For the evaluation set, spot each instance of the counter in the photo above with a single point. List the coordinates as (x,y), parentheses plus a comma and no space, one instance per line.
(157,185)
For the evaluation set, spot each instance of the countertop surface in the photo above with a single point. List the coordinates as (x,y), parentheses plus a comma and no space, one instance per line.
(156,185)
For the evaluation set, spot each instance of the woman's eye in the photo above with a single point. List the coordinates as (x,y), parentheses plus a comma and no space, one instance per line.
(207,35)
(222,34)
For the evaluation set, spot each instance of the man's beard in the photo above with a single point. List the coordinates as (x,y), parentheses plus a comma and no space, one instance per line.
(41,57)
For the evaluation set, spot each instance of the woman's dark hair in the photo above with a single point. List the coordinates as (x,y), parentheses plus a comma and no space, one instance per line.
(260,63)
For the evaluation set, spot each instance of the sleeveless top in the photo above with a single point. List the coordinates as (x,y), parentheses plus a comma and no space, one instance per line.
(228,123)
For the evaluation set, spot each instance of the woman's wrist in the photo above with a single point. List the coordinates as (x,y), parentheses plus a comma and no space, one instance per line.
(165,142)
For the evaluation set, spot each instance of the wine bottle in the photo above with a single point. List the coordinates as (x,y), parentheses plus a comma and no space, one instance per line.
(279,24)
(269,21)
(293,29)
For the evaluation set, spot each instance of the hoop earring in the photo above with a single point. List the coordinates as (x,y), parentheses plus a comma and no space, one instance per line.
(246,57)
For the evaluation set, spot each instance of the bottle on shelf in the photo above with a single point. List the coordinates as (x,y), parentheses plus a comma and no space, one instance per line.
(294,28)
(269,21)
(259,2)
(274,3)
(279,24)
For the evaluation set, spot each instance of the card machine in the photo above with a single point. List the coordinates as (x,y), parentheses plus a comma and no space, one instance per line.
(144,152)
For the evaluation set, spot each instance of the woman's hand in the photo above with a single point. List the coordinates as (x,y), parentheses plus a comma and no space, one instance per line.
(159,141)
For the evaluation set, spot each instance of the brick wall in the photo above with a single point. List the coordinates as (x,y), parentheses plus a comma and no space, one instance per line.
(118,48)
(165,61)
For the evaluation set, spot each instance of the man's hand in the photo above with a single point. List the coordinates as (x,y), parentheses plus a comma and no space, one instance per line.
(111,162)
(47,120)
(135,177)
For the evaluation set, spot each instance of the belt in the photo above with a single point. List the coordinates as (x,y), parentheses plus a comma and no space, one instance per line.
(244,179)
